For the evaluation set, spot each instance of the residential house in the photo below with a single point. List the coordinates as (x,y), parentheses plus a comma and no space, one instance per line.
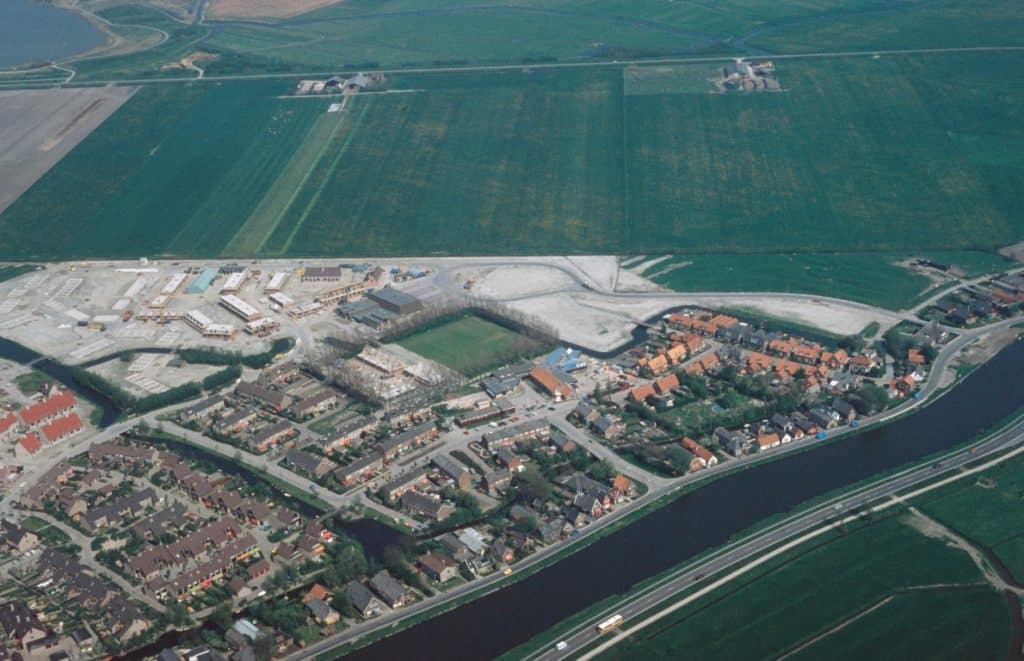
(318,591)
(666,384)
(390,590)
(54,406)
(586,412)
(17,538)
(440,568)
(362,600)
(271,435)
(455,470)
(768,440)
(624,486)
(642,393)
(360,470)
(608,427)
(733,442)
(21,624)
(322,612)
(27,446)
(427,505)
(511,461)
(845,409)
(704,456)
(496,481)
(349,432)
(415,436)
(310,464)
(405,482)
(275,401)
(537,428)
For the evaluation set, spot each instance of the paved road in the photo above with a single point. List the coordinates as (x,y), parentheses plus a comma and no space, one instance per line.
(549,65)
(824,515)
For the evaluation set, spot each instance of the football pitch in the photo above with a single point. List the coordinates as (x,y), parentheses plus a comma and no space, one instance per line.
(906,153)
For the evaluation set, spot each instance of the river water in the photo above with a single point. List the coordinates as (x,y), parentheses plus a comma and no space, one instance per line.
(706,518)
(33,32)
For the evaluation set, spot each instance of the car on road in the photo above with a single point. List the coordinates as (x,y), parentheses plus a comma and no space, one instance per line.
(561,645)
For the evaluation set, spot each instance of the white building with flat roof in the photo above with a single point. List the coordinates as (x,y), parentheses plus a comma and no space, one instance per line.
(239,307)
(235,281)
(277,282)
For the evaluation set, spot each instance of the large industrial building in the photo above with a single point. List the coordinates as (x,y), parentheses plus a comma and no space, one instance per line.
(395,301)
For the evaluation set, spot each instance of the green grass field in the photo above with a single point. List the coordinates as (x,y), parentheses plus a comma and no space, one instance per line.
(894,631)
(988,511)
(874,278)
(176,171)
(866,277)
(470,345)
(491,164)
(833,163)
(805,596)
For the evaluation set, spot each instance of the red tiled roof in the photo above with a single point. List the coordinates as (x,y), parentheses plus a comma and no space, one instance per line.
(666,383)
(550,382)
(696,448)
(48,408)
(7,422)
(641,393)
(61,427)
(31,442)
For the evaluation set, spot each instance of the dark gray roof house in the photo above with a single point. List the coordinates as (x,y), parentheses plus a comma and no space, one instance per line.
(390,590)
(362,599)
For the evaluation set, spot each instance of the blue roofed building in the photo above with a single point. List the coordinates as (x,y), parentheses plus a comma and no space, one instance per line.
(565,359)
(202,282)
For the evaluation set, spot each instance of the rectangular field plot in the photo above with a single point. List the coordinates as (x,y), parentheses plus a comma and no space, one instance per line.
(176,171)
(856,154)
(471,345)
(525,163)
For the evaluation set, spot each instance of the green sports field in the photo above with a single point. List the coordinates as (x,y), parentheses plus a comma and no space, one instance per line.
(471,345)
(820,595)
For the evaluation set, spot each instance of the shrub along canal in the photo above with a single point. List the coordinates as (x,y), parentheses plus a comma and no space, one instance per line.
(706,518)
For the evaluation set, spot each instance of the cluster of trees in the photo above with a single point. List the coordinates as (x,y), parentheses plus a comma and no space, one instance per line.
(897,343)
(224,376)
(208,356)
(666,460)
(125,401)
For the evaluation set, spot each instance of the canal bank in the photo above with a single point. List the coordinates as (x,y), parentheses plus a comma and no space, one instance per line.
(708,517)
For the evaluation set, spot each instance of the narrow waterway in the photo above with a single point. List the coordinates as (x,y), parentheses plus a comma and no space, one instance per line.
(706,518)
(59,372)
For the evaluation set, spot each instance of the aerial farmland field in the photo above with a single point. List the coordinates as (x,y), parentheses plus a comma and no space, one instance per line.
(177,170)
(551,161)
(505,164)
(832,585)
(855,154)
